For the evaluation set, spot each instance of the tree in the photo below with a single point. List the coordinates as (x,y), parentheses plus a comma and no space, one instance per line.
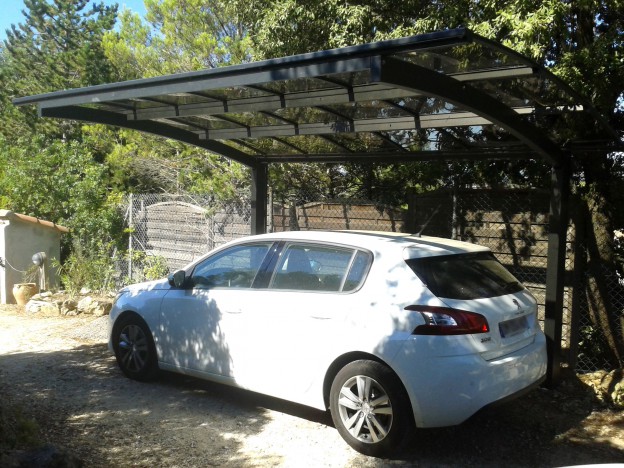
(177,36)
(49,168)
(58,181)
(146,164)
(57,47)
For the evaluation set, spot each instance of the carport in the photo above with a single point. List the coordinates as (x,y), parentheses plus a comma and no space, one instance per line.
(449,95)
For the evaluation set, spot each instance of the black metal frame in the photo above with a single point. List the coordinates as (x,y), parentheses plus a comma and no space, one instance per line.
(219,100)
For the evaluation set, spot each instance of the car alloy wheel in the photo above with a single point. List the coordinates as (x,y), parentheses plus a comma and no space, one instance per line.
(365,409)
(369,407)
(135,350)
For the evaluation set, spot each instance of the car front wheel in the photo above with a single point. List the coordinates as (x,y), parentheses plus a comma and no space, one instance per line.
(134,349)
(370,408)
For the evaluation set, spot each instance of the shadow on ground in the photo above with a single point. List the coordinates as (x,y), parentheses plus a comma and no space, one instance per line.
(81,401)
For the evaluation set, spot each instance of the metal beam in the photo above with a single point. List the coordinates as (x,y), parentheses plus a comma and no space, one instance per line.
(112,118)
(503,154)
(543,73)
(419,79)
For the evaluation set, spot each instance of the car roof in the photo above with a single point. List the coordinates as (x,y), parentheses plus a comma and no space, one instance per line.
(411,245)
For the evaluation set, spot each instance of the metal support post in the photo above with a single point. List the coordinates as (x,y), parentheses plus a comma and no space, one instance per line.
(259,198)
(555,272)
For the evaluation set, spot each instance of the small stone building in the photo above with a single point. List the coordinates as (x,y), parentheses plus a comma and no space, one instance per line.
(21,237)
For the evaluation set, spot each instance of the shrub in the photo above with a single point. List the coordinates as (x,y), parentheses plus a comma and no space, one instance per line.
(87,267)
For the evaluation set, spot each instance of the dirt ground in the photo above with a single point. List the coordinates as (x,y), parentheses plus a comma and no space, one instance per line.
(59,372)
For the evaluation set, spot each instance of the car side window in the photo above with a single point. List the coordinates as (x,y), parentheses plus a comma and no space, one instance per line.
(359,269)
(235,267)
(313,267)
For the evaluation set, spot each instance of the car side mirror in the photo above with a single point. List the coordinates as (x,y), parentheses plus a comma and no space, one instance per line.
(177,278)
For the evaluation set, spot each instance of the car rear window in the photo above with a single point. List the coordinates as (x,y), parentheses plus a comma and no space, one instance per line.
(465,276)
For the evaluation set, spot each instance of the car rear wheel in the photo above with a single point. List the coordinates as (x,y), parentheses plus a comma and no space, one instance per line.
(134,349)
(370,408)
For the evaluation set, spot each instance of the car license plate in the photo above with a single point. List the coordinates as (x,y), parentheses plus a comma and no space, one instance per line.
(513,327)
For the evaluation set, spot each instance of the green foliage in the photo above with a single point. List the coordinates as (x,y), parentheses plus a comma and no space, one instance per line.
(89,267)
(62,41)
(155,267)
(151,165)
(593,346)
(58,182)
(177,36)
(145,267)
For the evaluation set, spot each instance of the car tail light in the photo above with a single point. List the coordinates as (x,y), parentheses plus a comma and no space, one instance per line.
(447,321)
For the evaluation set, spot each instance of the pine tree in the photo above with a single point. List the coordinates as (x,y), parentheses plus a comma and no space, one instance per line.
(58,46)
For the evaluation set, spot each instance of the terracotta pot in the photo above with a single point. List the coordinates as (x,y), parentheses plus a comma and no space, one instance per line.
(23,292)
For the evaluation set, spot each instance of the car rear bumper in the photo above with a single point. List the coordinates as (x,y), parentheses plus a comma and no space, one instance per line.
(445,391)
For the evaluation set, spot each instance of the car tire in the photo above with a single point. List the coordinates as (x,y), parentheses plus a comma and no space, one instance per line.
(134,349)
(370,408)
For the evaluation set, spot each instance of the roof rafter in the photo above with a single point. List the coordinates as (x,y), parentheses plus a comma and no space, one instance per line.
(416,78)
(112,118)
(448,119)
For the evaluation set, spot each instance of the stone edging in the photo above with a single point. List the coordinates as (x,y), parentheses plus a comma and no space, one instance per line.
(61,303)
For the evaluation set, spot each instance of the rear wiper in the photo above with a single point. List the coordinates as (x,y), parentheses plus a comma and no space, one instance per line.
(424,226)
(512,285)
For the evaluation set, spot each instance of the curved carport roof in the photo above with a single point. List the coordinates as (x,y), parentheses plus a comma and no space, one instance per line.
(448,95)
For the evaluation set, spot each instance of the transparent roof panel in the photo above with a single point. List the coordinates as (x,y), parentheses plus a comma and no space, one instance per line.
(462,58)
(353,101)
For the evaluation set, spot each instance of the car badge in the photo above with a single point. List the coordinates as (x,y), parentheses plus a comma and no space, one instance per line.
(518,306)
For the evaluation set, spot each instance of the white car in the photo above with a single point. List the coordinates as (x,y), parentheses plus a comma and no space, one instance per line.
(386,330)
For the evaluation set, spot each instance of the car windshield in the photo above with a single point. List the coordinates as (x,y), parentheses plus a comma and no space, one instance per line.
(465,276)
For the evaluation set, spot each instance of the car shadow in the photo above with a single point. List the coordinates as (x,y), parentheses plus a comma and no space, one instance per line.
(528,431)
(244,399)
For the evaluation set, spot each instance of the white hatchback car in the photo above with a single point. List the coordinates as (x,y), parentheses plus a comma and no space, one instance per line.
(386,330)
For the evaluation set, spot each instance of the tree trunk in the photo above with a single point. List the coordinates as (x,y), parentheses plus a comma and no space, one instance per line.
(602,287)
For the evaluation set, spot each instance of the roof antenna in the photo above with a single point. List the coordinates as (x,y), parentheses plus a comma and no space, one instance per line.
(424,226)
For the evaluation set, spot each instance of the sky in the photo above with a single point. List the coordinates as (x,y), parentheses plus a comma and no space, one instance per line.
(11,11)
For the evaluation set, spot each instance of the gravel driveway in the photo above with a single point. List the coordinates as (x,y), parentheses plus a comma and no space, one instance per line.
(59,371)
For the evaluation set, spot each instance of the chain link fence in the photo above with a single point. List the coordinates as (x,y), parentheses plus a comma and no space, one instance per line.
(590,343)
(166,232)
(169,231)
(599,306)
(512,223)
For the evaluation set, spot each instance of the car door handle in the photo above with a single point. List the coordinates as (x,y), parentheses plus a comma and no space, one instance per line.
(234,311)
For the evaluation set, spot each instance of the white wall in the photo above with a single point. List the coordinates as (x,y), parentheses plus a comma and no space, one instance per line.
(19,241)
